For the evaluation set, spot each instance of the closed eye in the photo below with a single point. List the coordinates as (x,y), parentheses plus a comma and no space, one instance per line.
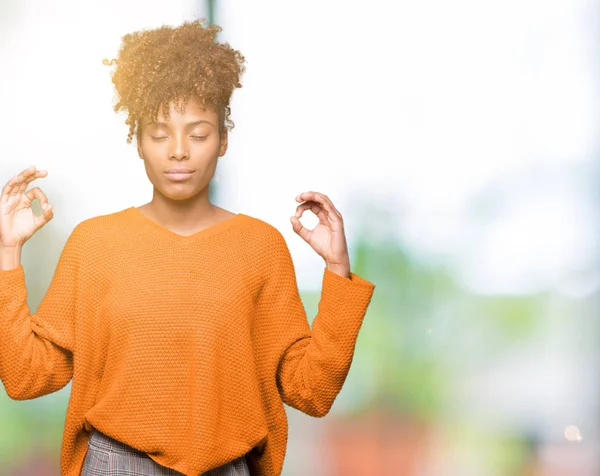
(199,138)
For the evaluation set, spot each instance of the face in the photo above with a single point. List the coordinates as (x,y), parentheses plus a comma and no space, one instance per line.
(193,141)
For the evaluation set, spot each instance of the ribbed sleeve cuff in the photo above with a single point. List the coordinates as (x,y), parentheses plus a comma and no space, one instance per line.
(12,283)
(335,284)
(343,305)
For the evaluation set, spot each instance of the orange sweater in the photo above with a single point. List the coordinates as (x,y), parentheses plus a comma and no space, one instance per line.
(184,347)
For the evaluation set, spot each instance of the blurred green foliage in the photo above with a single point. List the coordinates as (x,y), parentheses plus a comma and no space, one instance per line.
(420,327)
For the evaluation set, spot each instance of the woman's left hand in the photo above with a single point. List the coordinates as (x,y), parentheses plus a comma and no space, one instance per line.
(327,238)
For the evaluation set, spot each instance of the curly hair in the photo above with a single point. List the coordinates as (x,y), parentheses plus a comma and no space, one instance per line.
(174,64)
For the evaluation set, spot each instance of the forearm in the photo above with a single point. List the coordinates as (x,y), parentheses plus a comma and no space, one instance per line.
(30,366)
(312,370)
(310,379)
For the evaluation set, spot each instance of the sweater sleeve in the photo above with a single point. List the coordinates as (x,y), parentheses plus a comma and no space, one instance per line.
(36,350)
(312,365)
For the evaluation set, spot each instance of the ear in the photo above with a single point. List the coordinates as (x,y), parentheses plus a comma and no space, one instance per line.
(224,141)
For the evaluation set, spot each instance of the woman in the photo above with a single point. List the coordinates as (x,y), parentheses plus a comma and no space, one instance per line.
(179,323)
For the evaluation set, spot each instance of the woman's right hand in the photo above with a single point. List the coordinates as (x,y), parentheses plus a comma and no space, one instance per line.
(17,220)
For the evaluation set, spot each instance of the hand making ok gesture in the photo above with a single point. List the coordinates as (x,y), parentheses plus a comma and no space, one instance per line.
(17,220)
(327,238)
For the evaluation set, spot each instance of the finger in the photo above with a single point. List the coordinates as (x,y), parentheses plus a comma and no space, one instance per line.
(10,185)
(18,180)
(18,184)
(328,201)
(6,190)
(333,215)
(308,205)
(31,178)
(315,208)
(47,210)
(45,217)
(321,199)
(333,206)
(36,192)
(299,229)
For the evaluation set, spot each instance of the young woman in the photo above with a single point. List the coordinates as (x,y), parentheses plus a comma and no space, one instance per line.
(179,323)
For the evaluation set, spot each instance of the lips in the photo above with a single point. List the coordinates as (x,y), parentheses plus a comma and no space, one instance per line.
(179,174)
(178,171)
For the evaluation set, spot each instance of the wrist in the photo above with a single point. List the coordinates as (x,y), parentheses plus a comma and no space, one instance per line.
(341,270)
(10,257)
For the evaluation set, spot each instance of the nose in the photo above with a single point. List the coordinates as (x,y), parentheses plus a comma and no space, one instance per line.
(179,148)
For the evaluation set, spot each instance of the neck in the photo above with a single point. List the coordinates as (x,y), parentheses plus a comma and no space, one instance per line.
(181,214)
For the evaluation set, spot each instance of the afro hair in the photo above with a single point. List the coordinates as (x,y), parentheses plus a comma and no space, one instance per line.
(157,67)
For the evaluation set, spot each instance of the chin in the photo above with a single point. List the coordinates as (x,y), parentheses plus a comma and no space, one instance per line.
(179,196)
(179,191)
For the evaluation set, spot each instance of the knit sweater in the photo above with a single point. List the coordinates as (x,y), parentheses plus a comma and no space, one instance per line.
(183,347)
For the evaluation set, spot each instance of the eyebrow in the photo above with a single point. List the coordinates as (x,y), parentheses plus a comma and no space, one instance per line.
(193,123)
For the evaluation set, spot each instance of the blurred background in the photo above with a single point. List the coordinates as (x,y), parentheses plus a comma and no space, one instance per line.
(459,140)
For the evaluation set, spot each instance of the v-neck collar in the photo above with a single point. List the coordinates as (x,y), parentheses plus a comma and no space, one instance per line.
(199,235)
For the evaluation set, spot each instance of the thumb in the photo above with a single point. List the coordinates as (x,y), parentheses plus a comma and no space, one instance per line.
(299,228)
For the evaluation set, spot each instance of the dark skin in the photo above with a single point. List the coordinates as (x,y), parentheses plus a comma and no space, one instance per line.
(194,139)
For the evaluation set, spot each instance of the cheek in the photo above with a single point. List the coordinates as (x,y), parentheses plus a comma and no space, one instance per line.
(206,148)
(154,151)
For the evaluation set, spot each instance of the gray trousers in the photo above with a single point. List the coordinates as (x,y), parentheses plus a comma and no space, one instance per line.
(109,457)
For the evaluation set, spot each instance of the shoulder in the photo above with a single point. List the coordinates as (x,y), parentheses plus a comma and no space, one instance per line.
(265,233)
(99,227)
(100,221)
(270,251)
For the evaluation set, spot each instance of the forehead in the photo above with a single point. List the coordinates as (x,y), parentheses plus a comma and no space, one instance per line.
(193,112)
